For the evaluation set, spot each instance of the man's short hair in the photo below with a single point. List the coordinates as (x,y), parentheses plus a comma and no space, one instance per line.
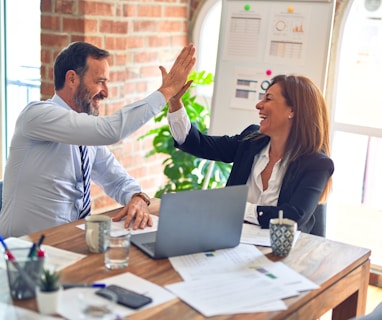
(73,57)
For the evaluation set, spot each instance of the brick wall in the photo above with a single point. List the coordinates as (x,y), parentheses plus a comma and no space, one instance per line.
(140,35)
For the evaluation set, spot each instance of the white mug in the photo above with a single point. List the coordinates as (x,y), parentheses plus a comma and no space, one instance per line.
(97,228)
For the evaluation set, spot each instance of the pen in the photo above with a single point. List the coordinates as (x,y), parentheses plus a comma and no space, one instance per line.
(3,243)
(32,250)
(83,285)
(40,252)
(40,241)
(7,251)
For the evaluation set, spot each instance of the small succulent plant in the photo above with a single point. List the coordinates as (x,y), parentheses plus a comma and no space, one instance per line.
(49,280)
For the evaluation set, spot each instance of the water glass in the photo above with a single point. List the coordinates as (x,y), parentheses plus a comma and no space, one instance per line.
(94,307)
(117,251)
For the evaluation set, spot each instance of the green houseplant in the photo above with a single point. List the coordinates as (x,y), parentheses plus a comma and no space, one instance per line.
(48,292)
(184,171)
(49,280)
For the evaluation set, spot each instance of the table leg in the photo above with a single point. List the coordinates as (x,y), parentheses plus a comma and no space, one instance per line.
(355,304)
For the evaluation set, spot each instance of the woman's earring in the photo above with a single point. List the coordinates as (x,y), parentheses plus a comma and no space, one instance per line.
(290,117)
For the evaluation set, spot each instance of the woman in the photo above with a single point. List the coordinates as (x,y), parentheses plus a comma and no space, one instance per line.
(285,160)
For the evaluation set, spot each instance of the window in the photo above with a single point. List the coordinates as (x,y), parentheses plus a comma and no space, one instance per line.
(205,34)
(20,55)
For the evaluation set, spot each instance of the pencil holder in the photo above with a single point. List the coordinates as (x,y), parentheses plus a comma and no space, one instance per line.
(23,272)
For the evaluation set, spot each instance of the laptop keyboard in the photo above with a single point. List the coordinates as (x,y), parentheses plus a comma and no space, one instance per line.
(149,245)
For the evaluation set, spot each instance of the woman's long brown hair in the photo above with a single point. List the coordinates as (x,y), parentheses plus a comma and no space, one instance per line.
(310,130)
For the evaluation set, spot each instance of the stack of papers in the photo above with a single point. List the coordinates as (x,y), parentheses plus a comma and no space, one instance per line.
(237,280)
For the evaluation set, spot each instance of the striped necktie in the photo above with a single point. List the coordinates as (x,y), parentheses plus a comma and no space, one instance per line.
(86,175)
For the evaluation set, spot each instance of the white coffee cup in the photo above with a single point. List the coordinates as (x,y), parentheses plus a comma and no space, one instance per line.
(97,228)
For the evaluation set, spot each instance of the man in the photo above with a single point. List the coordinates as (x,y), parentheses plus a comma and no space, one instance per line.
(58,142)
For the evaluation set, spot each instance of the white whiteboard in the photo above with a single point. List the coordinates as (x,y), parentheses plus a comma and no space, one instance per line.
(261,39)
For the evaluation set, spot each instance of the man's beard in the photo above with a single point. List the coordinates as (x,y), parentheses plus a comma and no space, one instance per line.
(82,101)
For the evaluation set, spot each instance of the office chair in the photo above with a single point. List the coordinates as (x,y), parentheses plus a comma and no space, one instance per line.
(376,314)
(319,227)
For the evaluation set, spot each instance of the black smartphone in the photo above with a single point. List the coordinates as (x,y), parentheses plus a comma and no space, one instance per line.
(125,297)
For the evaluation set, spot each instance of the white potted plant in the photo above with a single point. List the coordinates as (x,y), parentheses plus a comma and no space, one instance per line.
(48,292)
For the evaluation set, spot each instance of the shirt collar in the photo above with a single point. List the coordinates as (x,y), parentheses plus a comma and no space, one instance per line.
(58,100)
(265,155)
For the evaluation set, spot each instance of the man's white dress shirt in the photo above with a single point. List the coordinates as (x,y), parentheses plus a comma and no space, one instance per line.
(43,182)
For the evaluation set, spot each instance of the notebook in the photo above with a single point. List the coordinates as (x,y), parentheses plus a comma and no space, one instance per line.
(196,221)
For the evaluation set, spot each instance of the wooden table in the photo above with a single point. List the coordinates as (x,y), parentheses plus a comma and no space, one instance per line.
(341,270)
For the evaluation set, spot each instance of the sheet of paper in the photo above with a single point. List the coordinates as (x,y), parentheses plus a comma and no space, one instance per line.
(253,234)
(290,278)
(118,229)
(56,259)
(11,312)
(242,260)
(239,259)
(70,308)
(216,295)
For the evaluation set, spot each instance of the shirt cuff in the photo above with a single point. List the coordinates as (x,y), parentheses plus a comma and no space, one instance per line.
(251,213)
(180,125)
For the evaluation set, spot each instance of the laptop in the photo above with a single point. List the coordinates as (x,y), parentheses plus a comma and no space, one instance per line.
(196,221)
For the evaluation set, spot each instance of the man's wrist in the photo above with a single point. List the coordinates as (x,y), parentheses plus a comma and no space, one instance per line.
(143,196)
(166,94)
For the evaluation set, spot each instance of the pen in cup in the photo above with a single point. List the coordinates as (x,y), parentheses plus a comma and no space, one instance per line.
(30,283)
(40,252)
(32,250)
(40,241)
(8,252)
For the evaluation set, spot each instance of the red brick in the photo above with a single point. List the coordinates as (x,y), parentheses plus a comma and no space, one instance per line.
(95,40)
(141,86)
(175,11)
(46,6)
(96,8)
(145,56)
(49,22)
(55,39)
(159,41)
(110,26)
(149,11)
(170,25)
(145,26)
(130,10)
(73,24)
(65,6)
